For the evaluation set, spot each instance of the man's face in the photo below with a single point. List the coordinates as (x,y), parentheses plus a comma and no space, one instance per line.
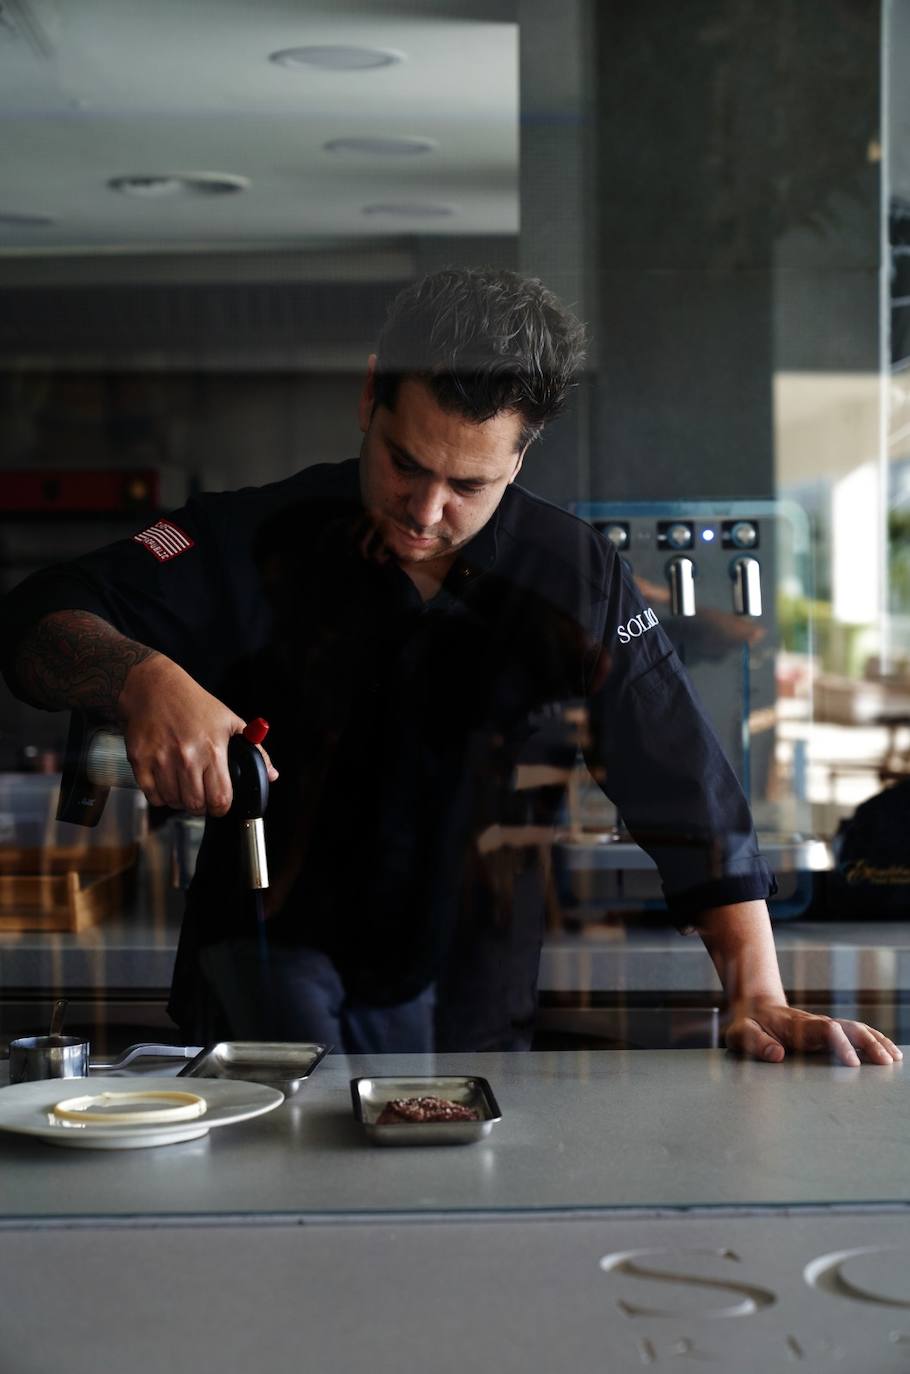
(431,479)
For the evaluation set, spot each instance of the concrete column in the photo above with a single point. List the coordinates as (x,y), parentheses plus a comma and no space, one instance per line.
(739,230)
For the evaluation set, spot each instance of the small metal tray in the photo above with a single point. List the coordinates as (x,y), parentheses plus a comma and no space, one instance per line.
(279,1064)
(370,1095)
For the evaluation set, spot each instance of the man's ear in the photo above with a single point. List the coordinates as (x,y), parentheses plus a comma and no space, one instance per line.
(367,396)
(519,461)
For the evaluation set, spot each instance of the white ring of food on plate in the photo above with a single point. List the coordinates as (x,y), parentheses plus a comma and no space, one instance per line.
(183,1107)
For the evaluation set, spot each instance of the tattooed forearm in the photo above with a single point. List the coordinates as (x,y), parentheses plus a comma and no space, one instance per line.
(76,659)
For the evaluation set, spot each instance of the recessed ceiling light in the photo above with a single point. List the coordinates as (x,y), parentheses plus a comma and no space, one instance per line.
(12,220)
(164,185)
(412,209)
(337,57)
(405,146)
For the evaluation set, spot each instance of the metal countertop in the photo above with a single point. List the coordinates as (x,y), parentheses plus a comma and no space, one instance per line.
(580,1131)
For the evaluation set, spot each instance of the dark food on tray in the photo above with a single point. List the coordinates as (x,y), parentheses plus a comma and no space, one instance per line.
(411,1109)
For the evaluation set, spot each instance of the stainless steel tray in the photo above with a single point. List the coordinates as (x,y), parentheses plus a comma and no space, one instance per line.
(280,1064)
(370,1095)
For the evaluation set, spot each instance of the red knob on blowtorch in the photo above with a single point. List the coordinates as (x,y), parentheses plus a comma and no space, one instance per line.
(256,730)
(250,781)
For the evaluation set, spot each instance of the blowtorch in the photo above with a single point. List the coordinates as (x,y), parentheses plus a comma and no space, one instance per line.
(96,760)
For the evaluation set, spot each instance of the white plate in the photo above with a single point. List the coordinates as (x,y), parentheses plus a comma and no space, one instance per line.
(27,1109)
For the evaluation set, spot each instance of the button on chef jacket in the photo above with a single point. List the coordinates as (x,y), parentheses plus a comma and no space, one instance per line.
(398,841)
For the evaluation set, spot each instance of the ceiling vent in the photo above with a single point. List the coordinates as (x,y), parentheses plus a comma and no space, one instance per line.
(391,146)
(337,57)
(164,186)
(412,209)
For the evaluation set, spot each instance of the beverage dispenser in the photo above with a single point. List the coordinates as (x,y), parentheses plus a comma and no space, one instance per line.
(714,572)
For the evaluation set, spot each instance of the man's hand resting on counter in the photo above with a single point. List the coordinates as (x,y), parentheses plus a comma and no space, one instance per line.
(769,1030)
(177,735)
(740,942)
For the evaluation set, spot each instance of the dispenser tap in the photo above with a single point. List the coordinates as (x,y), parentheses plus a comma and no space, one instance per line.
(681,577)
(746,576)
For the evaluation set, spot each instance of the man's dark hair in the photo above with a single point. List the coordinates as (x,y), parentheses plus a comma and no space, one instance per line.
(485,341)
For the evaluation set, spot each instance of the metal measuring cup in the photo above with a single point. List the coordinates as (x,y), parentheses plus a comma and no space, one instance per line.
(35,1057)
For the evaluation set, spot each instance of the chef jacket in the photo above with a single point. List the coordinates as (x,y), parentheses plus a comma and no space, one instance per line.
(423,746)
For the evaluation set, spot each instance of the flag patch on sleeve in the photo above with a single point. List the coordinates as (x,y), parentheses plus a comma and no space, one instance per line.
(165,540)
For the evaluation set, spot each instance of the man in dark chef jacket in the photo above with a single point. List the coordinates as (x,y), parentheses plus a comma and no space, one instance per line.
(432,644)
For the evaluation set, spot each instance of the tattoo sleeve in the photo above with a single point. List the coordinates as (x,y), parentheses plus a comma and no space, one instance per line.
(75,659)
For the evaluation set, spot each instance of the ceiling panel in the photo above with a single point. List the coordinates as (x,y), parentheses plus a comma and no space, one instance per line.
(105,88)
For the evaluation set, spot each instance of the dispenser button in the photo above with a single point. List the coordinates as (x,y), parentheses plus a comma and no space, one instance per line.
(675,534)
(740,534)
(616,532)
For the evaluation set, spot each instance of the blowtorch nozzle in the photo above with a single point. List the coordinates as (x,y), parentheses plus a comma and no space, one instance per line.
(250,781)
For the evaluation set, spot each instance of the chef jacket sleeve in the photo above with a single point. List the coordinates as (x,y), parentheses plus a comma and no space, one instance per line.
(163,586)
(656,756)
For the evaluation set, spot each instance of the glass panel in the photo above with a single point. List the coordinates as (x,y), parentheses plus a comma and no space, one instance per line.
(199,243)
